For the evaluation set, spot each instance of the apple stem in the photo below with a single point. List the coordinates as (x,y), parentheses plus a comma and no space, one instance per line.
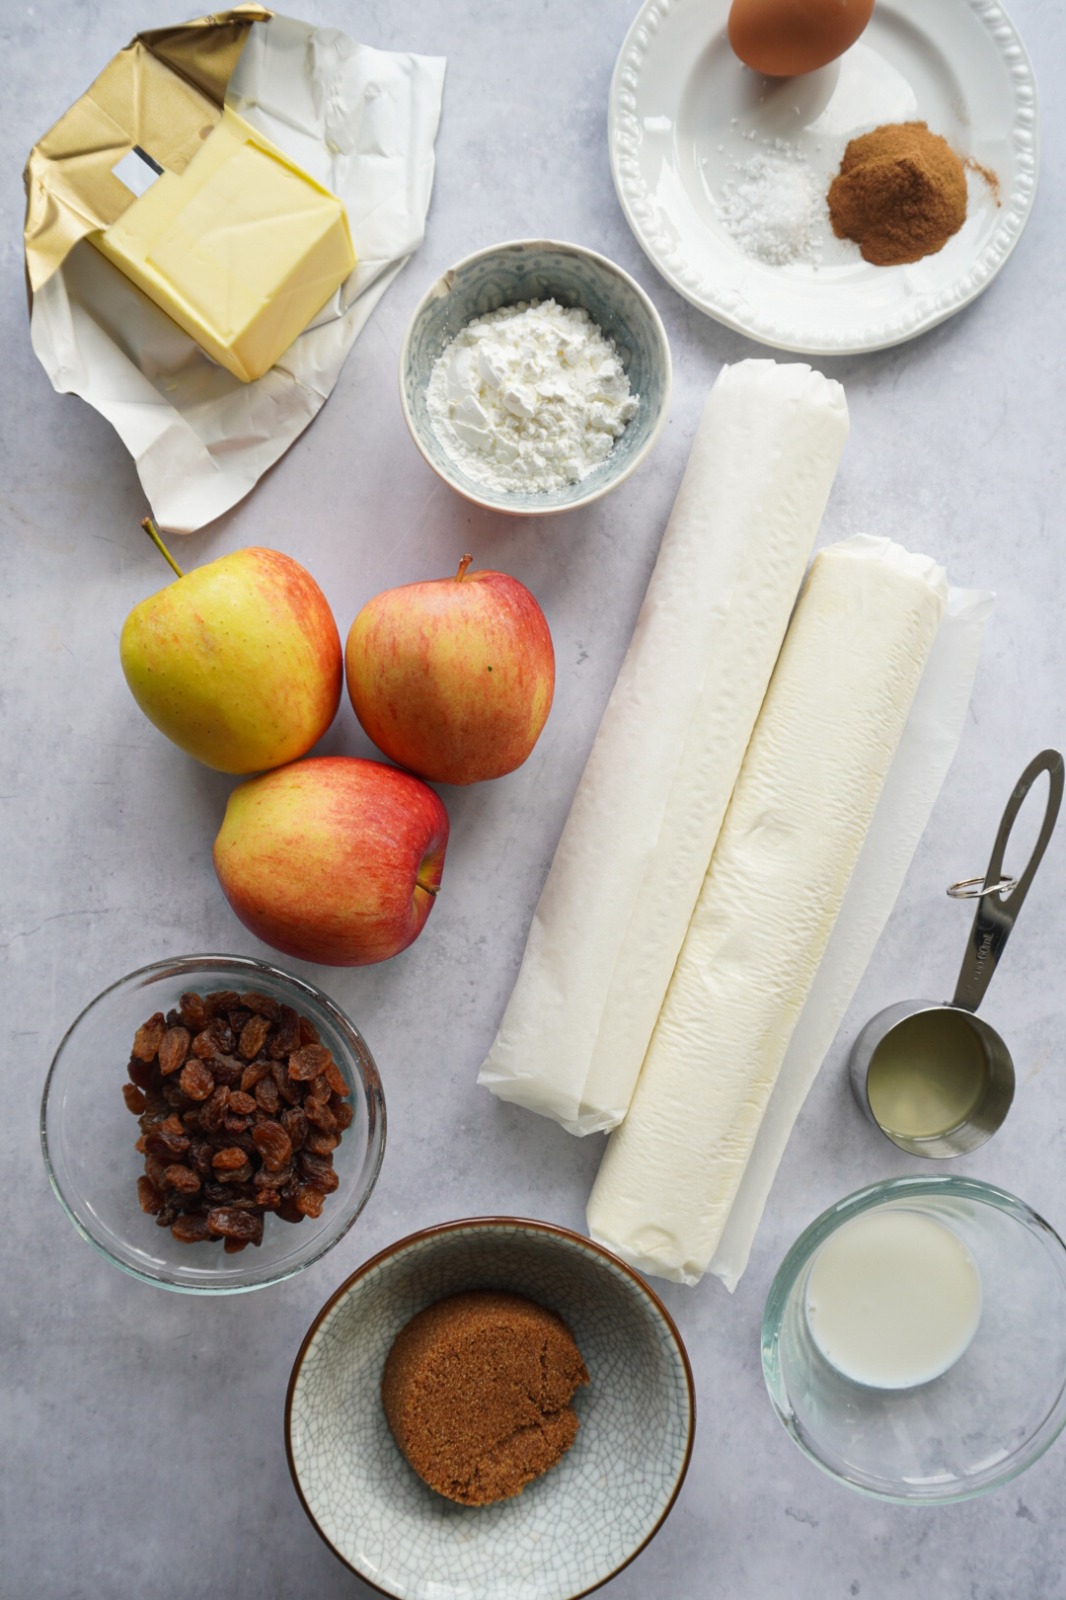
(153,533)
(464,563)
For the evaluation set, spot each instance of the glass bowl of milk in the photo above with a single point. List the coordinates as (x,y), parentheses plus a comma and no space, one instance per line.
(914,1339)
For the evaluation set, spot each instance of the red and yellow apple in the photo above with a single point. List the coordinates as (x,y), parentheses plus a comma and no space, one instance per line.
(238,662)
(453,678)
(333,859)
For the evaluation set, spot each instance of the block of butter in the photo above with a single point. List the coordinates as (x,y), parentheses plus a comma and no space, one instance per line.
(241,249)
(810,780)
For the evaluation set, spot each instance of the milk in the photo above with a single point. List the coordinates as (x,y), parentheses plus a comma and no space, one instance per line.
(893,1299)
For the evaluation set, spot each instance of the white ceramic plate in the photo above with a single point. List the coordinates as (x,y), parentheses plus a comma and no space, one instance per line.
(687,121)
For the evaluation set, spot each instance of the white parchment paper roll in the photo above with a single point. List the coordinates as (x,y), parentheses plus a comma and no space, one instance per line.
(811,779)
(918,770)
(606,932)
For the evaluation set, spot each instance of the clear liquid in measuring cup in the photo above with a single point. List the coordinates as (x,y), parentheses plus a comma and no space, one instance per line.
(927,1076)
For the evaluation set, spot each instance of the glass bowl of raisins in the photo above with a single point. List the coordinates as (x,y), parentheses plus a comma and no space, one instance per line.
(213,1124)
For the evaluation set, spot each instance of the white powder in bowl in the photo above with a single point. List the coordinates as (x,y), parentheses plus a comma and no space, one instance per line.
(530,397)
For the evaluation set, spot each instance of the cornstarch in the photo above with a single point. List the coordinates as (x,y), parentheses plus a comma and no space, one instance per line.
(530,397)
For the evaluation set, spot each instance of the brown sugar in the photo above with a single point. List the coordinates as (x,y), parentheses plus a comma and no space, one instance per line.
(477,1392)
(900,194)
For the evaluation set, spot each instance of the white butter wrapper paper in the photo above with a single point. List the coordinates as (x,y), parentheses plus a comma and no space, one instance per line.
(362,122)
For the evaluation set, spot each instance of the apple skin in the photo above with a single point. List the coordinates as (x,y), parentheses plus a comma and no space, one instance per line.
(333,859)
(453,678)
(238,662)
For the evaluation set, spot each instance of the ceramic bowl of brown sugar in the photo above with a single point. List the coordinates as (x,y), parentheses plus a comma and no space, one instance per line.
(212,1124)
(569,1528)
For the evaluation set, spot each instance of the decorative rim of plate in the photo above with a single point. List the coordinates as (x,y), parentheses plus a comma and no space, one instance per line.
(472,1225)
(646,219)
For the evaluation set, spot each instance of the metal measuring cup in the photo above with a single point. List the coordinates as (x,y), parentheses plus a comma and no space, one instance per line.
(936,1079)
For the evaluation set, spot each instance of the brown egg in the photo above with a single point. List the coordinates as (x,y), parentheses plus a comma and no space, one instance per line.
(783,37)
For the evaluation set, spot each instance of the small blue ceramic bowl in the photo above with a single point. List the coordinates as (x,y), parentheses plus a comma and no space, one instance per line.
(540,269)
(567,1532)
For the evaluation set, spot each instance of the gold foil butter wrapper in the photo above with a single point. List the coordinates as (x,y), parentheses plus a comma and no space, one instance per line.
(344,131)
(163,94)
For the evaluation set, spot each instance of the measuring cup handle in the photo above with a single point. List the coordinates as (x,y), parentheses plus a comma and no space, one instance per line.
(996,913)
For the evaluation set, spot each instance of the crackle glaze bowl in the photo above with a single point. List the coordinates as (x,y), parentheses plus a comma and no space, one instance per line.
(540,269)
(984,1418)
(568,1531)
(88,1135)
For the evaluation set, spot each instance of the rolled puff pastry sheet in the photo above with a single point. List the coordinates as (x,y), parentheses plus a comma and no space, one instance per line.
(810,781)
(602,945)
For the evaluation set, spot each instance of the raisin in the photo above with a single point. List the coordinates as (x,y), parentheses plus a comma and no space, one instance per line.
(265,1179)
(266,1095)
(308,1031)
(318,1112)
(343,1115)
(173,1049)
(227,1069)
(197,1080)
(190,1227)
(149,1036)
(134,1098)
(309,1200)
(285,1037)
(213,1111)
(228,1159)
(264,1005)
(318,1170)
(318,1089)
(253,1037)
(336,1079)
(294,1122)
(240,1174)
(193,1012)
(182,1178)
(307,1062)
(229,1222)
(155,1166)
(287,1089)
(320,1143)
(253,1074)
(200,1158)
(160,1142)
(149,1196)
(273,1144)
(221,1000)
(142,1073)
(224,1036)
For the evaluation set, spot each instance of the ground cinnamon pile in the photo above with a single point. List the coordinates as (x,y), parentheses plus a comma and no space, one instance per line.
(900,194)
